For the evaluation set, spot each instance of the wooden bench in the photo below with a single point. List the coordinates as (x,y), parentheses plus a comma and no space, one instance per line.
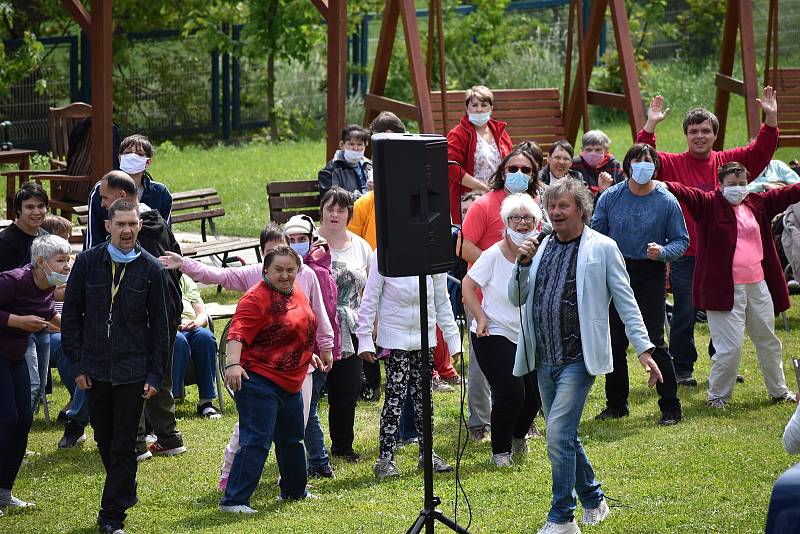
(787,85)
(286,199)
(202,205)
(530,114)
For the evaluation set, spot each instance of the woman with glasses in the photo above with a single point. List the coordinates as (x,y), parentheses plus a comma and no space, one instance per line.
(483,227)
(495,330)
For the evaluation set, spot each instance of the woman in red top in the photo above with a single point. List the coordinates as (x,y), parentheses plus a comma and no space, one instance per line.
(269,348)
(477,144)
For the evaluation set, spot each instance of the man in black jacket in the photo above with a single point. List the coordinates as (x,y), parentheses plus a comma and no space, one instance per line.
(155,237)
(115,333)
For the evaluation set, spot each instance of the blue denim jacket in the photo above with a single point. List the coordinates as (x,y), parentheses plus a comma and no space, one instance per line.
(138,345)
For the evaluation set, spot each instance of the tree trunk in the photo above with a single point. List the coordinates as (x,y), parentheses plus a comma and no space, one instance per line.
(273,116)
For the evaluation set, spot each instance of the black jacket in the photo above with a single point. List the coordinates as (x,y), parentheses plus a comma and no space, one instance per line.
(137,349)
(339,173)
(156,238)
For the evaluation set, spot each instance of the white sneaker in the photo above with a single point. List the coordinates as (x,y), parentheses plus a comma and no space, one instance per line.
(309,495)
(19,503)
(593,516)
(237,509)
(142,456)
(560,528)
(502,459)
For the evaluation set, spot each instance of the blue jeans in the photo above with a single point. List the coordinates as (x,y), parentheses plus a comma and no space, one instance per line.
(38,359)
(267,413)
(200,346)
(315,439)
(564,390)
(79,411)
(681,327)
(407,427)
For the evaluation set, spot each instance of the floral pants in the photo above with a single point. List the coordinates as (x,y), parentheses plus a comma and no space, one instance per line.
(404,369)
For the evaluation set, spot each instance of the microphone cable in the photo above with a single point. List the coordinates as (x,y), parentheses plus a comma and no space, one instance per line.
(461,447)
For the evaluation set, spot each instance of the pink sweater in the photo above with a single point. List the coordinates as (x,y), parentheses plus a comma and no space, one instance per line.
(244,277)
(702,173)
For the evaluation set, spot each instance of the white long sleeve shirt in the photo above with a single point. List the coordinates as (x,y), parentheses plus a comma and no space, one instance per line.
(395,303)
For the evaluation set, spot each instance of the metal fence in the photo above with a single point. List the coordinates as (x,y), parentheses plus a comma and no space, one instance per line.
(169,87)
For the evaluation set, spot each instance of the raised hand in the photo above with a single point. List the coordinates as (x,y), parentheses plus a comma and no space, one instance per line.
(171,260)
(769,105)
(656,111)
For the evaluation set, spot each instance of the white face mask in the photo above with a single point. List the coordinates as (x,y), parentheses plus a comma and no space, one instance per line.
(353,156)
(518,237)
(132,163)
(735,193)
(479,119)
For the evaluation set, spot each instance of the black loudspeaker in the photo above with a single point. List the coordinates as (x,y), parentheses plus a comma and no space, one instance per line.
(412,204)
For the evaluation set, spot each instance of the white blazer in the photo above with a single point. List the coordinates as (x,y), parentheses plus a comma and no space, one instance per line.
(395,303)
(600,275)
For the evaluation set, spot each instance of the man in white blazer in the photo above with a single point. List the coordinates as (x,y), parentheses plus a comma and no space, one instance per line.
(566,285)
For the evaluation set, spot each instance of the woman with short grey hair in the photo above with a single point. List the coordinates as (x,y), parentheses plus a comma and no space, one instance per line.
(26,306)
(598,167)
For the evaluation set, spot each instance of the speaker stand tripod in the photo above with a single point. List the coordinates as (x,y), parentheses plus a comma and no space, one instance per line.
(429,513)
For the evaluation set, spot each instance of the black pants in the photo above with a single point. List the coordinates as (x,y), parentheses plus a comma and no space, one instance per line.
(161,410)
(372,374)
(114,413)
(344,388)
(515,400)
(648,283)
(15,418)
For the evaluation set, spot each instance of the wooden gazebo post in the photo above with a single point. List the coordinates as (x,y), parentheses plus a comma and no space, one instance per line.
(97,26)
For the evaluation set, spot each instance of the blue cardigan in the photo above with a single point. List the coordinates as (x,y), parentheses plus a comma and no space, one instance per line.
(601,275)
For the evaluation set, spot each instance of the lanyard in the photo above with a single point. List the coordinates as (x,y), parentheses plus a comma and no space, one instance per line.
(114,291)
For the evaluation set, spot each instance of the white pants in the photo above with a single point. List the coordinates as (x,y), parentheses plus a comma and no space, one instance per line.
(753,310)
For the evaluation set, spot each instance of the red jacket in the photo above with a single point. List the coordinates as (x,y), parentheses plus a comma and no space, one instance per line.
(716,227)
(462,141)
(702,173)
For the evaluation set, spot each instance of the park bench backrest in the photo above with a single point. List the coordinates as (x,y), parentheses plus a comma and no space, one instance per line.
(287,199)
(202,205)
(787,85)
(530,114)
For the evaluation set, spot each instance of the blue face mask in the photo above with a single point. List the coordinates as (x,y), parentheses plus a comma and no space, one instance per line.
(301,248)
(54,278)
(122,257)
(642,171)
(517,182)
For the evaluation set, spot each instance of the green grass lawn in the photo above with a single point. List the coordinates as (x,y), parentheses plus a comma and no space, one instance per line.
(711,473)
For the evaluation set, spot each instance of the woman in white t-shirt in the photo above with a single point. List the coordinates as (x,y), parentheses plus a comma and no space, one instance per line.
(496,327)
(351,258)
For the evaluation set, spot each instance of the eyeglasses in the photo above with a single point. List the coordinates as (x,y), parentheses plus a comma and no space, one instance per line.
(525,170)
(519,218)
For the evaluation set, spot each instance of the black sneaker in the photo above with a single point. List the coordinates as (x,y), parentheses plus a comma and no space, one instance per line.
(350,456)
(739,379)
(73,434)
(670,418)
(109,529)
(208,411)
(612,413)
(688,381)
(321,472)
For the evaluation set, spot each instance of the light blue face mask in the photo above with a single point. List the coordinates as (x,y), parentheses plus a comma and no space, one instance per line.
(479,119)
(642,171)
(54,278)
(517,182)
(301,248)
(122,257)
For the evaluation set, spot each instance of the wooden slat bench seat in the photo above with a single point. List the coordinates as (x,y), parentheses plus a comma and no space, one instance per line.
(530,114)
(787,86)
(286,199)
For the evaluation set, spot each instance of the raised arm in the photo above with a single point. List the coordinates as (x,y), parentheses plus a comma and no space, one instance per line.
(696,201)
(233,278)
(655,114)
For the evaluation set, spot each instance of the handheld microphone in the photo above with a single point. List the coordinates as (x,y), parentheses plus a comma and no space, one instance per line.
(547,229)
